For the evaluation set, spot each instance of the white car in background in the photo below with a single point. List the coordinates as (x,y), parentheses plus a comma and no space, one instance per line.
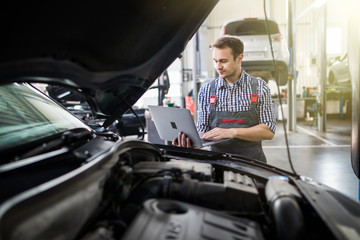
(257,52)
(339,72)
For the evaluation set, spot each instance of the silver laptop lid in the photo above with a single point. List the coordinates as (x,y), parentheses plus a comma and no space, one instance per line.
(169,121)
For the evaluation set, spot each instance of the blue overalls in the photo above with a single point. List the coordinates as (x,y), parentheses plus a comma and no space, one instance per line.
(241,119)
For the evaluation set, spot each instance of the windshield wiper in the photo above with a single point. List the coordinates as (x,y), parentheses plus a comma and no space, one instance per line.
(70,138)
(76,136)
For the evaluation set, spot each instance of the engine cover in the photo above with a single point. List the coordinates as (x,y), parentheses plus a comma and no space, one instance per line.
(168,219)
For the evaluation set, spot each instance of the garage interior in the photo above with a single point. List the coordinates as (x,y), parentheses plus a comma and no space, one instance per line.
(317,110)
(87,163)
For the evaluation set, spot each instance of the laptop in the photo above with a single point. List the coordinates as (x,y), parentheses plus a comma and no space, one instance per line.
(169,121)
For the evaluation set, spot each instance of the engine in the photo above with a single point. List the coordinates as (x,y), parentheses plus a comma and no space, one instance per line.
(163,197)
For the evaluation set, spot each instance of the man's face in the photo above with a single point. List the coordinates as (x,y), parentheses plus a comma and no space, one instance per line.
(227,67)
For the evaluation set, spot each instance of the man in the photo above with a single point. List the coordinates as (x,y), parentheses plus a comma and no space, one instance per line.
(234,106)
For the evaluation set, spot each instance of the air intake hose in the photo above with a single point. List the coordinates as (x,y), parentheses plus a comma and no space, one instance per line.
(286,211)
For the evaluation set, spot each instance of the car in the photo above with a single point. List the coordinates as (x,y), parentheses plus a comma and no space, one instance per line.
(339,72)
(258,59)
(62,179)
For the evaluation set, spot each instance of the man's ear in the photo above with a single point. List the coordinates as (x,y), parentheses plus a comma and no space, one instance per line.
(239,58)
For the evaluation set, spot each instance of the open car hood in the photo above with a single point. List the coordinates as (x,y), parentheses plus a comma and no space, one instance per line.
(110,51)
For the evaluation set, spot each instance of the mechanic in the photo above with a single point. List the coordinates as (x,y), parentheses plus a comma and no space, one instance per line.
(234,106)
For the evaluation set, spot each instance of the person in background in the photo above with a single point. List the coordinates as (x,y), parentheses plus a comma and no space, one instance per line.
(235,106)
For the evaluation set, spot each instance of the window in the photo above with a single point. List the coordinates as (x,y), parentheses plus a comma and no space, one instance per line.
(333,41)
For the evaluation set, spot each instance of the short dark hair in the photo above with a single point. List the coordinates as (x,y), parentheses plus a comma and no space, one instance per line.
(236,45)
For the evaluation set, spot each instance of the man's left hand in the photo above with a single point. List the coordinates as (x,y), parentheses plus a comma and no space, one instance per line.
(252,134)
(219,133)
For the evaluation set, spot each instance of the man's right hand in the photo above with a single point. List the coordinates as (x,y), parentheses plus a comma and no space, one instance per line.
(182,141)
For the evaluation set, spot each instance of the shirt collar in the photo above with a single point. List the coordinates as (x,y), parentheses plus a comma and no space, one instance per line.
(221,83)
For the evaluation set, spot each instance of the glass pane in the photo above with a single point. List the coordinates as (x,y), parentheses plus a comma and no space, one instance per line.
(251,27)
(28,115)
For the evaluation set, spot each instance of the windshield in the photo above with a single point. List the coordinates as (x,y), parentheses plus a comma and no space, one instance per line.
(27,115)
(251,27)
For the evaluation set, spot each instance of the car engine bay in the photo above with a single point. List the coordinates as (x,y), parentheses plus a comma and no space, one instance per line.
(177,198)
(137,190)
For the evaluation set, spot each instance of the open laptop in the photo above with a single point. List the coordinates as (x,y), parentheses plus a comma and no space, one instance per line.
(169,121)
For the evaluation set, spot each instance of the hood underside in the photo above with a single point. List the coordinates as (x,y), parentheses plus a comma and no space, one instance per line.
(112,51)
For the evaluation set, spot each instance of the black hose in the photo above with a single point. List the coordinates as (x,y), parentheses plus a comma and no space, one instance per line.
(287,214)
(279,94)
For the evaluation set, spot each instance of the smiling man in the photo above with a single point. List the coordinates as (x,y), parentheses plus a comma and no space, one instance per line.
(234,106)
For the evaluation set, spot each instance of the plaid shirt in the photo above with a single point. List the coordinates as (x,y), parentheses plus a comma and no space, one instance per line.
(235,99)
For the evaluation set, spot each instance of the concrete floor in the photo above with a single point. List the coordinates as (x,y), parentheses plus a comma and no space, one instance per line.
(322,156)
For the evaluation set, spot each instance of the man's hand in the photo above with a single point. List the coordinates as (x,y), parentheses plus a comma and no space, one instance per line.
(252,134)
(182,141)
(219,133)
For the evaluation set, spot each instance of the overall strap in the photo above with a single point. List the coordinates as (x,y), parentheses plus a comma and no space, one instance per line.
(213,98)
(254,92)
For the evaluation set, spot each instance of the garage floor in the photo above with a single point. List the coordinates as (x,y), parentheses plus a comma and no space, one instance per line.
(324,157)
